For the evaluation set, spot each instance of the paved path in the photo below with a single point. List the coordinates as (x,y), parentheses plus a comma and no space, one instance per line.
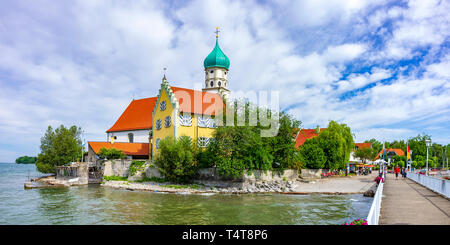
(353,184)
(407,203)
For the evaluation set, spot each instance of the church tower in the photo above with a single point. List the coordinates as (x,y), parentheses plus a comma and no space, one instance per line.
(216,71)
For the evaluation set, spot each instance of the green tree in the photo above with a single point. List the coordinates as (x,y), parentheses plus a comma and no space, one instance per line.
(337,143)
(176,159)
(312,155)
(239,148)
(365,154)
(59,147)
(26,160)
(282,146)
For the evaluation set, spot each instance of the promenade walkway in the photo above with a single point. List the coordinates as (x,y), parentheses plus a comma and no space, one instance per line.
(407,203)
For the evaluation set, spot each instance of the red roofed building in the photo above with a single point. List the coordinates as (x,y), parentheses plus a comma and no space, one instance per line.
(133,150)
(304,134)
(362,145)
(391,152)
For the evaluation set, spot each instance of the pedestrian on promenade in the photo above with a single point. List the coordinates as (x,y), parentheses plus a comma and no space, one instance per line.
(404,173)
(396,171)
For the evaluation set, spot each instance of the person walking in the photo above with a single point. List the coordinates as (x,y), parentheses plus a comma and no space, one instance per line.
(396,171)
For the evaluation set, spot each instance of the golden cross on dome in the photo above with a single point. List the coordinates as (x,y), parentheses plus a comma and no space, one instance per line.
(217,32)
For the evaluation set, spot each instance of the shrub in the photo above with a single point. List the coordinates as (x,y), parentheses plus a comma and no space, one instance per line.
(111,153)
(115,178)
(136,166)
(176,159)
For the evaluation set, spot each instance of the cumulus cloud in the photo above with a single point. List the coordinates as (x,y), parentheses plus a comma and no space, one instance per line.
(82,62)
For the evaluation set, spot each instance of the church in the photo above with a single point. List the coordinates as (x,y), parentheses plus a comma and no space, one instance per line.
(174,112)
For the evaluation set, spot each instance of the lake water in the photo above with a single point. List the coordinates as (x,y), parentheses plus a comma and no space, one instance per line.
(93,204)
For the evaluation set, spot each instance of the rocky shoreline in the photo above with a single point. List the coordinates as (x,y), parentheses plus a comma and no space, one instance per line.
(281,187)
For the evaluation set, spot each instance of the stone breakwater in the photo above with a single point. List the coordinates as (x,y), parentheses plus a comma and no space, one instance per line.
(263,187)
(342,185)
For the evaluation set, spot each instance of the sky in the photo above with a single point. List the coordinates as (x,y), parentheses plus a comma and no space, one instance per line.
(381,67)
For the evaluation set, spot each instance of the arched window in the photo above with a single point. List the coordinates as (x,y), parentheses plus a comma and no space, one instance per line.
(219,83)
(212,83)
(130,137)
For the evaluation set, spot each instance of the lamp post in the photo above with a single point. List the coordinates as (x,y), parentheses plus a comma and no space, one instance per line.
(428,142)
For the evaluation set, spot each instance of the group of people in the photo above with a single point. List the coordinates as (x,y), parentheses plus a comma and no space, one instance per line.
(402,171)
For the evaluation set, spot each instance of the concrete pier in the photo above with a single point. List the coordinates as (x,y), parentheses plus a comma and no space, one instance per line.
(407,203)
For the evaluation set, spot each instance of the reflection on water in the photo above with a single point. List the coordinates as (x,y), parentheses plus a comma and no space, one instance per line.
(93,204)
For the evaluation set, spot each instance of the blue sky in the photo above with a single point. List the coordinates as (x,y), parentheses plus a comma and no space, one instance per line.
(382,67)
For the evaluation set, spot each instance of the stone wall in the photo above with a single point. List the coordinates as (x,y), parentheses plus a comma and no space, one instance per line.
(311,173)
(75,174)
(210,176)
(119,167)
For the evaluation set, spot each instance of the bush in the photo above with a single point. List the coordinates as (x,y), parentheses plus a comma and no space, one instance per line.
(240,148)
(176,159)
(111,153)
(115,178)
(136,166)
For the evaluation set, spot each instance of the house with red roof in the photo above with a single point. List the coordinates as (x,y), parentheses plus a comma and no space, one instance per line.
(304,134)
(174,112)
(390,153)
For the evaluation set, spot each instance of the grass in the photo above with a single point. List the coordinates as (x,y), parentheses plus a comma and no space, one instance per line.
(115,178)
(152,179)
(194,186)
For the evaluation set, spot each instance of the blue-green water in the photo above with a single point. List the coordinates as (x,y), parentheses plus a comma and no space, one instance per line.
(93,204)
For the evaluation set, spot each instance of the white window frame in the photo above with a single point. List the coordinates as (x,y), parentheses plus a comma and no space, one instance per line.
(163,105)
(185,119)
(167,121)
(158,124)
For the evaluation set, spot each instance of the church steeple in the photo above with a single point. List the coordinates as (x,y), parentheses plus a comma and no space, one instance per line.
(216,70)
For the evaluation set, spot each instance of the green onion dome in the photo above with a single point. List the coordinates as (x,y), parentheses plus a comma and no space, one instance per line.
(216,58)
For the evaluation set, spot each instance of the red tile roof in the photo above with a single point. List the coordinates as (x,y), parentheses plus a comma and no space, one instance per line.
(206,103)
(305,134)
(138,115)
(398,152)
(131,149)
(363,145)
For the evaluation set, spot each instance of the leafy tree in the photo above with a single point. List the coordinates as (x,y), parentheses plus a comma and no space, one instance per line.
(239,148)
(312,155)
(282,146)
(26,160)
(365,154)
(110,154)
(176,159)
(376,145)
(59,147)
(337,143)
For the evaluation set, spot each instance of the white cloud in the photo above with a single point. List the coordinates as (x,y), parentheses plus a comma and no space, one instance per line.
(81,63)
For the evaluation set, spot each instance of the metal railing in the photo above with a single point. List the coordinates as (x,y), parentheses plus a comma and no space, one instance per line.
(374,213)
(440,186)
